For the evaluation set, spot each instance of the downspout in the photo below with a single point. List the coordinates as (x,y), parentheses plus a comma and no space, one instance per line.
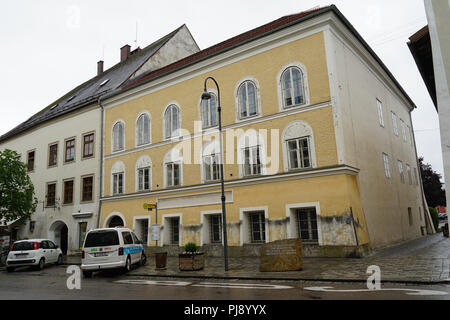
(101,163)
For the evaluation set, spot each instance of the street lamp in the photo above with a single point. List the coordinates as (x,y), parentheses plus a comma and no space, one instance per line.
(206,96)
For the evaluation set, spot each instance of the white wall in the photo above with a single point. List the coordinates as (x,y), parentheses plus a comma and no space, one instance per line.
(39,139)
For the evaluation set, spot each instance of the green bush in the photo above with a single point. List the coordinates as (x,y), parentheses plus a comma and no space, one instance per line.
(435,217)
(190,247)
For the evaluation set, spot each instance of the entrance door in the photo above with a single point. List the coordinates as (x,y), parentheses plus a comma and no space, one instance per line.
(64,239)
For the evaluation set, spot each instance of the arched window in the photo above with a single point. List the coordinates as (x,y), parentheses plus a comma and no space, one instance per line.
(292,87)
(209,112)
(143,129)
(298,146)
(118,136)
(247,100)
(144,173)
(171,121)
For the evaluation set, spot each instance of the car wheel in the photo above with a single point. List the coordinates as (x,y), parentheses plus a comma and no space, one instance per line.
(10,269)
(128,264)
(59,260)
(143,259)
(41,264)
(87,274)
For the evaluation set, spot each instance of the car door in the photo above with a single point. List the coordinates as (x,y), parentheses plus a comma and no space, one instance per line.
(137,245)
(128,245)
(53,251)
(45,249)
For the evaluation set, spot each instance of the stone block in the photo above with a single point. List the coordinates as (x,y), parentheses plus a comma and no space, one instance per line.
(282,255)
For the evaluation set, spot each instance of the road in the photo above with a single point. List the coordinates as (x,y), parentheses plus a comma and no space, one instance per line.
(51,284)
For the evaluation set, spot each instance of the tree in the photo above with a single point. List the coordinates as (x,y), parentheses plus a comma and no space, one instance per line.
(17,200)
(432,185)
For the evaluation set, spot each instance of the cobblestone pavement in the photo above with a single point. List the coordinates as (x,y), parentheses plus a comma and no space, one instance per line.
(425,260)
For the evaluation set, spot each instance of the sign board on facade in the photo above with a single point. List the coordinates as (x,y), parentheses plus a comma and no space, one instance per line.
(282,255)
(149,206)
(156,232)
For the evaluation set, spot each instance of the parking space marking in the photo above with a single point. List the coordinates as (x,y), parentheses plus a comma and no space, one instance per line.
(157,283)
(411,292)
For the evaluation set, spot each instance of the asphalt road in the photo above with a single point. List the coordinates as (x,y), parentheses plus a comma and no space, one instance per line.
(51,284)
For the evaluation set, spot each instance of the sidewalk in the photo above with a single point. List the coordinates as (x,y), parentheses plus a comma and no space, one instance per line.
(424,261)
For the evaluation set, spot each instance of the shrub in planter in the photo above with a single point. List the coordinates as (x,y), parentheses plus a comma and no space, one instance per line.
(191,259)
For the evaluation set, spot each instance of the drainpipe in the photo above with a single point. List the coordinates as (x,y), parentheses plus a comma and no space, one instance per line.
(101,163)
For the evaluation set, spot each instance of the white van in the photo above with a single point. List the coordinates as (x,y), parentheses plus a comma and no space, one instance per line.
(111,248)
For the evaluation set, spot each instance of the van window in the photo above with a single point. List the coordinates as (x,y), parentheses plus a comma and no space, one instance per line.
(127,239)
(101,239)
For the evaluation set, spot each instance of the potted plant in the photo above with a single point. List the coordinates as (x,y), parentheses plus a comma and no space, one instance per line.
(191,259)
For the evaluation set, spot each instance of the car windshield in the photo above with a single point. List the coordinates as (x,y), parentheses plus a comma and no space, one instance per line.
(101,239)
(23,246)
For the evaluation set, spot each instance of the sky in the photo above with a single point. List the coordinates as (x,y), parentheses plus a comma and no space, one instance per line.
(50,47)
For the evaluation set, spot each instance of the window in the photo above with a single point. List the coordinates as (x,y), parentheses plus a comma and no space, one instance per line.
(87,190)
(402,125)
(70,150)
(299,153)
(410,136)
(386,166)
(118,136)
(51,194)
(68,192)
(171,121)
(257,227)
(292,87)
(307,224)
(174,230)
(88,145)
(210,111)
(127,238)
(252,160)
(408,170)
(211,167)
(215,223)
(143,129)
(410,217)
(394,123)
(247,101)
(144,179)
(30,161)
(118,183)
(416,179)
(32,226)
(380,112)
(82,228)
(53,155)
(400,170)
(172,174)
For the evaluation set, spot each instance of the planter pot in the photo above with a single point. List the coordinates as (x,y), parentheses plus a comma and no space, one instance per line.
(161,260)
(191,262)
(445,230)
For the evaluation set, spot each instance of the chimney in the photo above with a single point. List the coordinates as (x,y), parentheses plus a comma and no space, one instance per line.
(124,52)
(100,67)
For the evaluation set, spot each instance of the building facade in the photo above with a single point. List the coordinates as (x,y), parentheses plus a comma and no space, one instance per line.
(62,146)
(317,135)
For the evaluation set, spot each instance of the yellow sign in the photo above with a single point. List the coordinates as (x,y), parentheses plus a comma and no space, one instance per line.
(148,206)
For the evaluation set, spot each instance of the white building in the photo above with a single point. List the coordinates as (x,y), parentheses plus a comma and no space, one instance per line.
(62,146)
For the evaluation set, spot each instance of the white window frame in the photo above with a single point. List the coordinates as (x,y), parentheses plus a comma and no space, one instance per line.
(251,138)
(306,97)
(402,125)
(408,171)
(206,228)
(209,125)
(394,123)
(400,169)
(139,134)
(113,139)
(165,237)
(118,167)
(143,162)
(299,153)
(116,185)
(387,169)
(258,107)
(173,133)
(245,237)
(292,226)
(294,130)
(380,112)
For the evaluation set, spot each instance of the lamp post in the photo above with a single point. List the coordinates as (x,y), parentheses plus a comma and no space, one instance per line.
(206,96)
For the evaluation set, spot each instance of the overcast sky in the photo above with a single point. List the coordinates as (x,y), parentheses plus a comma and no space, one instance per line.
(50,47)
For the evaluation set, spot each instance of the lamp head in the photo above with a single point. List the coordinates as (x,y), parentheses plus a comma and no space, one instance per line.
(206,95)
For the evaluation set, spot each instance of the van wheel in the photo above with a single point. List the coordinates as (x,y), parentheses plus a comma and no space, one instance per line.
(87,274)
(143,261)
(128,264)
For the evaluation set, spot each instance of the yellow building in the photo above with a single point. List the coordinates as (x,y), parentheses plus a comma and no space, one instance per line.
(310,150)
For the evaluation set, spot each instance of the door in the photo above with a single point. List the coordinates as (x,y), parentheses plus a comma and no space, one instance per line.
(64,238)
(45,249)
(128,246)
(138,246)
